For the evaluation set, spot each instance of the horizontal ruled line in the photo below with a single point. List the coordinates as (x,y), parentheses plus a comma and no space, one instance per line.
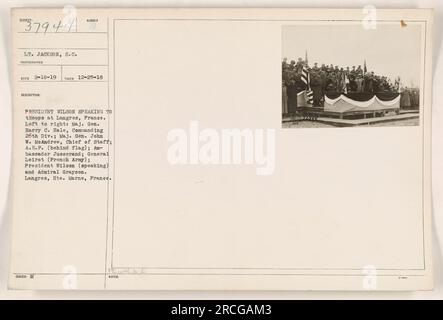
(62,65)
(61,81)
(62,48)
(213,274)
(71,32)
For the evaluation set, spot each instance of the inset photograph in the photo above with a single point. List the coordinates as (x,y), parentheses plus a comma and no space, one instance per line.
(346,75)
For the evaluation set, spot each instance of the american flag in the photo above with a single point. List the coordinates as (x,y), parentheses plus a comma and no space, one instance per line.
(306,79)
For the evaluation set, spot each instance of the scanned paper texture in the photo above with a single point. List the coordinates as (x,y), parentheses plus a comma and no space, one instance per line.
(221,149)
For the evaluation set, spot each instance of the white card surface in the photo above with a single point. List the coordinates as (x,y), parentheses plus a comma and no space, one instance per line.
(180,149)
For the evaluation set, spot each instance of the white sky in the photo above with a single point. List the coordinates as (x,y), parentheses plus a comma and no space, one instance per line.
(389,50)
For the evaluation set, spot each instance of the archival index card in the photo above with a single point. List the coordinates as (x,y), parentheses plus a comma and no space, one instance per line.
(221,149)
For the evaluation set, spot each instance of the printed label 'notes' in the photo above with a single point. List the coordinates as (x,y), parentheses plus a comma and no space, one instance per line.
(221,149)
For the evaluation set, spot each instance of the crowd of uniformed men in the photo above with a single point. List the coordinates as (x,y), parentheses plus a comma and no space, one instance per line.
(330,78)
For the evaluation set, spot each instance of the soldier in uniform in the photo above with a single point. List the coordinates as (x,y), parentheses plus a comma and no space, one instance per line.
(369,83)
(416,100)
(284,63)
(359,71)
(324,78)
(286,73)
(291,92)
(299,84)
(405,99)
(317,89)
(284,98)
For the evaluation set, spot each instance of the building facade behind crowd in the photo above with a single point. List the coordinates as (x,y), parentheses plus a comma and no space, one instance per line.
(326,79)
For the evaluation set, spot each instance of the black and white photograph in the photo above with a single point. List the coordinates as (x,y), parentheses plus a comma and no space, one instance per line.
(346,75)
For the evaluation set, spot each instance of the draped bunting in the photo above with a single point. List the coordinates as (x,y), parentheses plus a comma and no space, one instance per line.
(364,104)
(387,95)
(344,104)
(363,96)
